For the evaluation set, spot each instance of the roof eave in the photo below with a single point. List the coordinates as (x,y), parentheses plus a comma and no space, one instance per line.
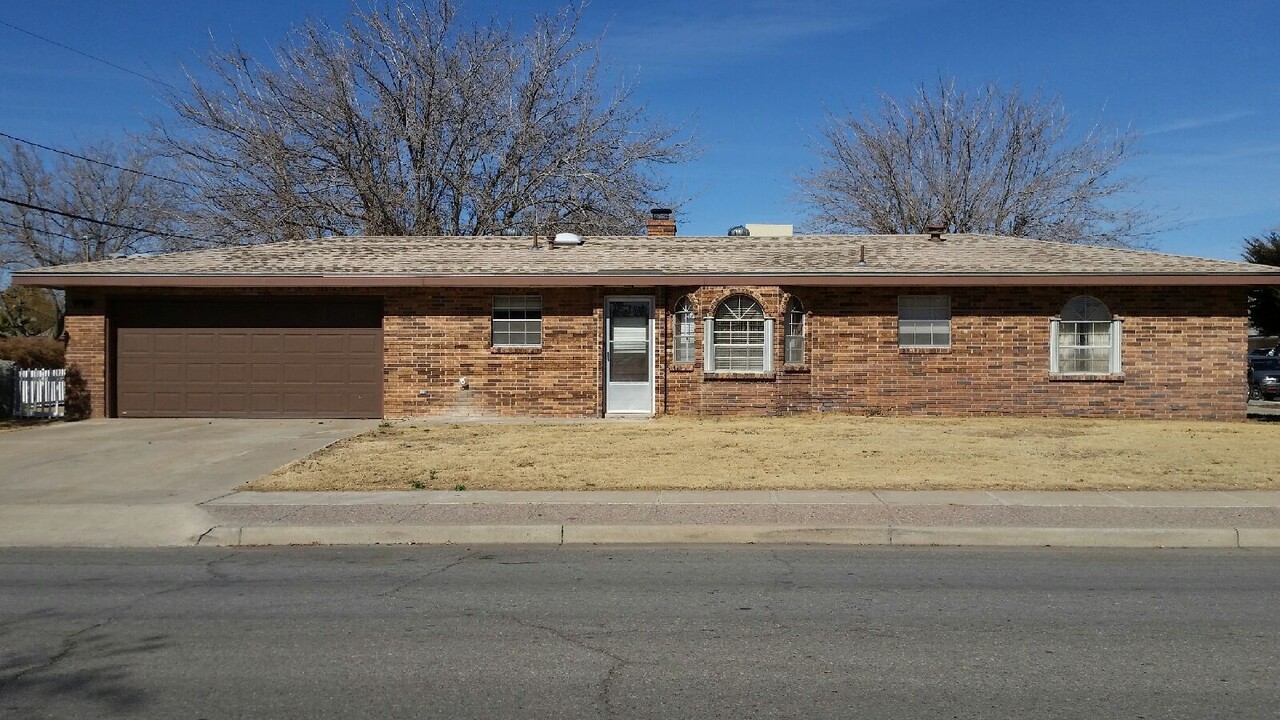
(861,279)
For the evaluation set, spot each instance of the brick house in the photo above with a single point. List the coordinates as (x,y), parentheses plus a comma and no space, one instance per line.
(654,324)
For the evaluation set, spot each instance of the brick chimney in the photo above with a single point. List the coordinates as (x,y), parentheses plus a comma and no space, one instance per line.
(660,223)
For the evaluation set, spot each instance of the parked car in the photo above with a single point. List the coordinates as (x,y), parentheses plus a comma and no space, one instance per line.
(1264,377)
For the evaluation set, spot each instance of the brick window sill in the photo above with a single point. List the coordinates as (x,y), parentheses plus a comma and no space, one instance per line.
(1086,377)
(924,351)
(749,376)
(514,350)
(796,369)
(684,367)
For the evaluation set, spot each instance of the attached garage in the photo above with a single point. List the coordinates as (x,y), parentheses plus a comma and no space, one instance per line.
(252,358)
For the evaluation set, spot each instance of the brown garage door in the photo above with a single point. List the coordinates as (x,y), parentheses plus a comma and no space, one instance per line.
(238,358)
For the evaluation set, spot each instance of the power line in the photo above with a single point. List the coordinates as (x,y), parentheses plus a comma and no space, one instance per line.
(38,230)
(96,162)
(108,223)
(51,41)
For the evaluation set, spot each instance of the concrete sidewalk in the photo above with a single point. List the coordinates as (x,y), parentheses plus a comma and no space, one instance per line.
(1097,519)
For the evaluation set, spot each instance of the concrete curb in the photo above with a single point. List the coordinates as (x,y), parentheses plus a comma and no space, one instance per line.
(739,534)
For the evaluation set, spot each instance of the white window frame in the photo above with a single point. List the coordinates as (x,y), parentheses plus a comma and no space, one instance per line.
(795,325)
(937,309)
(525,306)
(1114,333)
(712,364)
(684,338)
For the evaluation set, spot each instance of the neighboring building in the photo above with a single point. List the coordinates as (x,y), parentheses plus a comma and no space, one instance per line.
(427,326)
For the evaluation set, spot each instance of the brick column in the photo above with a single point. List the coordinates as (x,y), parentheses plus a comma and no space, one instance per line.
(86,328)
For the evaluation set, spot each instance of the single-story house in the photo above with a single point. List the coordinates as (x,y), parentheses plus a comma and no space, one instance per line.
(932,324)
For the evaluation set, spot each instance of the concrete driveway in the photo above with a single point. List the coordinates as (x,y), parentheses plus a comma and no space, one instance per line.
(138,482)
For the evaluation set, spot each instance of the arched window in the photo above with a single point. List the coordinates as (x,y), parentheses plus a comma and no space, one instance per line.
(740,337)
(684,319)
(1086,339)
(793,353)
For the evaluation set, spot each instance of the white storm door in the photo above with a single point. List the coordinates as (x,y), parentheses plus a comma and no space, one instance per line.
(628,355)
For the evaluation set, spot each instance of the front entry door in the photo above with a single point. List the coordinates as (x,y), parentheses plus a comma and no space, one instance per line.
(628,355)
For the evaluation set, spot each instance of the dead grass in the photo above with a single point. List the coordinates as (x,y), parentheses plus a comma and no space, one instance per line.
(11,424)
(799,452)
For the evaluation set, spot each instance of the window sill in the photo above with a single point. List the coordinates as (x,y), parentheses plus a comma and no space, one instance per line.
(766,376)
(797,368)
(515,350)
(924,350)
(1087,377)
(683,367)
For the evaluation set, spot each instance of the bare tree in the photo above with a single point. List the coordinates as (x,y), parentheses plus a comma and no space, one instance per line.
(59,209)
(405,121)
(990,162)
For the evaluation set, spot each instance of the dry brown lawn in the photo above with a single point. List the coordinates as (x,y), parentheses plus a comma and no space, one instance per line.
(799,452)
(8,425)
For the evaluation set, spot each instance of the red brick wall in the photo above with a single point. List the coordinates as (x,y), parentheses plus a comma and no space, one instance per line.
(86,328)
(1183,351)
(1183,355)
(432,338)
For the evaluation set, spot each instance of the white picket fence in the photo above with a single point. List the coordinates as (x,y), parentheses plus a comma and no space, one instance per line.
(40,394)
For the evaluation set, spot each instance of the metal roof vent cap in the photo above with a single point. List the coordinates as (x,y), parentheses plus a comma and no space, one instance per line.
(566,239)
(935,231)
(739,231)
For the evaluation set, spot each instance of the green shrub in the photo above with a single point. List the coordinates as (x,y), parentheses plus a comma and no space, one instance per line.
(34,352)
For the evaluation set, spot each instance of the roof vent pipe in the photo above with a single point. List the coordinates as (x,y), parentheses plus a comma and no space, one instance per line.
(862,256)
(935,231)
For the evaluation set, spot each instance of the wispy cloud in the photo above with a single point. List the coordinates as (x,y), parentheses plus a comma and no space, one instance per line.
(694,39)
(1247,152)
(1195,123)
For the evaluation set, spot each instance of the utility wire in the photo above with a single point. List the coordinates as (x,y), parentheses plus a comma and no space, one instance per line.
(38,230)
(108,223)
(51,41)
(96,162)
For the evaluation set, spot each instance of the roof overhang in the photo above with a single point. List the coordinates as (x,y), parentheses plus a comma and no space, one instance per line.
(346,280)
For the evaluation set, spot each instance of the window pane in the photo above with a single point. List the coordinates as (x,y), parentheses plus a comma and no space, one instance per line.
(924,321)
(684,349)
(517,320)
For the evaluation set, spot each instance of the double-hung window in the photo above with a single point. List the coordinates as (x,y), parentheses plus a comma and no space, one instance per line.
(517,321)
(685,320)
(924,321)
(1085,339)
(793,339)
(741,338)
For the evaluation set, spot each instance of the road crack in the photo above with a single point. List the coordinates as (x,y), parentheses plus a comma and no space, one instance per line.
(617,663)
(424,576)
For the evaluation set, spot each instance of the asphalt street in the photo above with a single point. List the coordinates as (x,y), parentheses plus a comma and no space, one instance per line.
(711,631)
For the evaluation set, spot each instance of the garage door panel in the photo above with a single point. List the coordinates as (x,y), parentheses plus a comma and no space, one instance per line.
(198,372)
(166,372)
(232,403)
(264,343)
(232,343)
(251,370)
(300,375)
(296,343)
(262,373)
(205,343)
(366,345)
(299,403)
(362,374)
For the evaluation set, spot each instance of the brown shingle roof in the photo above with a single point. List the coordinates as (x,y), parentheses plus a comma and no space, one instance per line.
(809,259)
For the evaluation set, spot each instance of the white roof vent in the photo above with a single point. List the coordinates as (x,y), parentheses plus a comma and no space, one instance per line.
(566,239)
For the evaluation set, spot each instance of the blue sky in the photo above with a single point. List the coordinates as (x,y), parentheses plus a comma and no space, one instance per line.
(753,79)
